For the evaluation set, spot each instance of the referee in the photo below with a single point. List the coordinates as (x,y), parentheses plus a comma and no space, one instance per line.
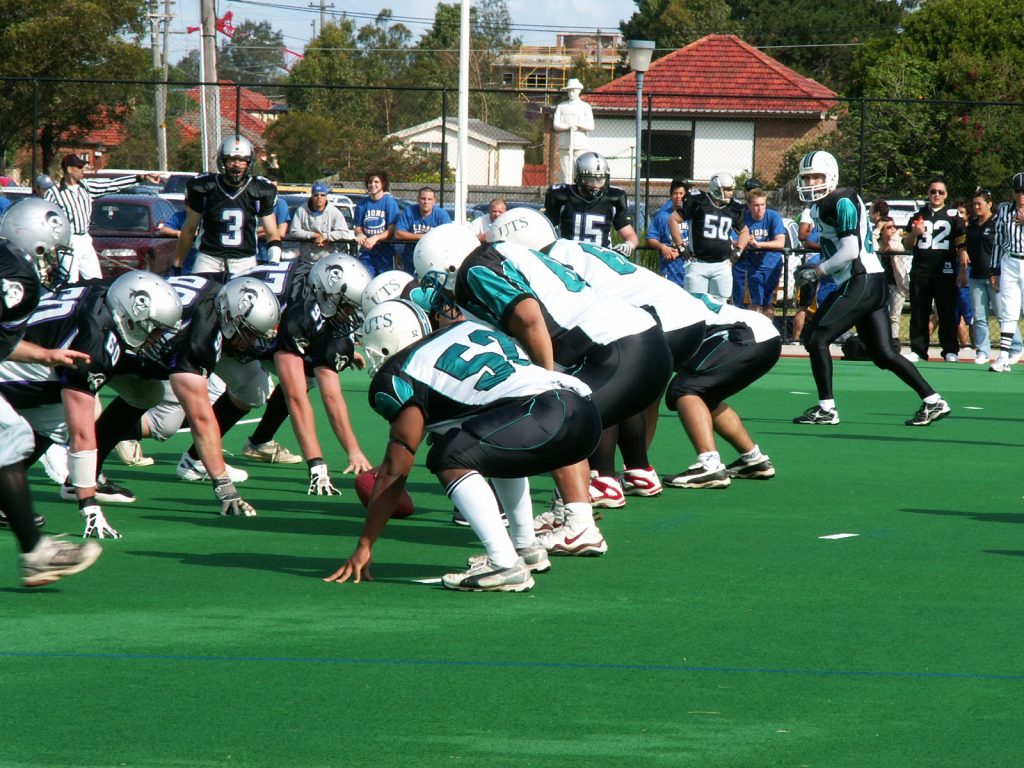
(1008,258)
(74,196)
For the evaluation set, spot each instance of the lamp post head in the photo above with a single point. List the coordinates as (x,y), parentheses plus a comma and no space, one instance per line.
(640,53)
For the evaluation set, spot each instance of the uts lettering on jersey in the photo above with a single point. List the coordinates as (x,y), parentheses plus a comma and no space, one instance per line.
(586,220)
(944,233)
(230,216)
(711,227)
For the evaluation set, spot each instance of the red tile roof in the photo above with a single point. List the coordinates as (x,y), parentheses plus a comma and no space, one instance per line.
(251,100)
(681,83)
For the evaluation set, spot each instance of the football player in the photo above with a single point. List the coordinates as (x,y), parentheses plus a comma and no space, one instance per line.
(229,206)
(491,414)
(588,209)
(861,299)
(715,224)
(41,229)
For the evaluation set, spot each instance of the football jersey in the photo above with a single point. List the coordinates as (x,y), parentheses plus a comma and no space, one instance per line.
(841,214)
(496,277)
(711,226)
(230,215)
(75,318)
(19,296)
(725,315)
(612,274)
(459,371)
(936,249)
(589,220)
(197,345)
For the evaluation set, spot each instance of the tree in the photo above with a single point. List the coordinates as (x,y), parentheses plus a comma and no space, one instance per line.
(253,54)
(671,24)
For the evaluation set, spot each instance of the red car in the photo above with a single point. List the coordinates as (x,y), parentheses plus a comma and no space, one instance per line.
(124,232)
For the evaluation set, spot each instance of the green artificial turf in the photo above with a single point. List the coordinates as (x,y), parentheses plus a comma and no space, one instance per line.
(719,630)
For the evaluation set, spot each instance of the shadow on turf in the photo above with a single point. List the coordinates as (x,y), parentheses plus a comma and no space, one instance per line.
(834,434)
(1008,552)
(984,517)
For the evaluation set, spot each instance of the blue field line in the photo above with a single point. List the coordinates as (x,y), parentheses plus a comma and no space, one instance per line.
(1016,678)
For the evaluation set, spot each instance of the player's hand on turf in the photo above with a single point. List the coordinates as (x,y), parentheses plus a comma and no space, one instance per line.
(231,504)
(357,463)
(805,276)
(320,480)
(96,525)
(357,567)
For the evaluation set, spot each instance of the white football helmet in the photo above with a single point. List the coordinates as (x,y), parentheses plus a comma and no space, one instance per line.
(249,314)
(145,307)
(386,285)
(523,226)
(817,163)
(238,147)
(43,231)
(592,175)
(721,187)
(390,327)
(437,259)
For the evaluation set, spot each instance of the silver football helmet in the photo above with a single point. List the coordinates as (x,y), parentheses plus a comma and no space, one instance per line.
(817,163)
(721,187)
(386,285)
(43,231)
(437,259)
(145,307)
(390,327)
(338,283)
(249,314)
(592,175)
(235,147)
(523,226)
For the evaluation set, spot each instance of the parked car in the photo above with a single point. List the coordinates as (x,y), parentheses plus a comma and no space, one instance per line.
(900,211)
(124,232)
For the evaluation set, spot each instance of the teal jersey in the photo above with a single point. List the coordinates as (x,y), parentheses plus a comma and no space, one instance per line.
(842,214)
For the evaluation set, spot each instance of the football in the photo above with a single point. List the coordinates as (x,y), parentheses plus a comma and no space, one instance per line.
(364,486)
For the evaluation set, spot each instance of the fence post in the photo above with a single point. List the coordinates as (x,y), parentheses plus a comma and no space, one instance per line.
(35,128)
(647,175)
(238,109)
(444,143)
(863,120)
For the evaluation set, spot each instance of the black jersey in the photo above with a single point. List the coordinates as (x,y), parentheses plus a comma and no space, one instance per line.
(19,296)
(197,345)
(76,318)
(230,215)
(589,220)
(711,226)
(936,250)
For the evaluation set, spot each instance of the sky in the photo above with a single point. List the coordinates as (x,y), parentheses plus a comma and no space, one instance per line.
(535,22)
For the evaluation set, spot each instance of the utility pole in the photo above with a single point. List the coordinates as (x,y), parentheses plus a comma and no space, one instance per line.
(161,145)
(209,90)
(323,6)
(154,41)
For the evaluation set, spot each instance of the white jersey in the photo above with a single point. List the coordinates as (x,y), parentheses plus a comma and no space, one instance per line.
(727,314)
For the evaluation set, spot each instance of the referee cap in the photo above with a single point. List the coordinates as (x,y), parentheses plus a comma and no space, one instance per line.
(73,159)
(1018,182)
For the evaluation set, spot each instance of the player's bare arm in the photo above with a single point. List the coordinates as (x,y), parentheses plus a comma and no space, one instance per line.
(526,324)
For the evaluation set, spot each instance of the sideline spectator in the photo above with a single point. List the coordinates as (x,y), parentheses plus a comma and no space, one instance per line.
(672,264)
(415,222)
(1008,254)
(283,216)
(757,272)
(75,195)
(318,224)
(890,251)
(42,183)
(172,228)
(4,203)
(483,223)
(375,224)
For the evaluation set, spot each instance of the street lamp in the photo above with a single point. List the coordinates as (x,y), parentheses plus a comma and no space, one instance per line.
(640,52)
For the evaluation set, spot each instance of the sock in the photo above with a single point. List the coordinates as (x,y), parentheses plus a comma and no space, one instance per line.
(1005,342)
(119,421)
(710,459)
(273,417)
(17,506)
(514,496)
(932,399)
(473,497)
(227,414)
(827,405)
(752,455)
(578,514)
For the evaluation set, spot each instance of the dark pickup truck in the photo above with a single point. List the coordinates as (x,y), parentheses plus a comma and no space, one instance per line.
(124,232)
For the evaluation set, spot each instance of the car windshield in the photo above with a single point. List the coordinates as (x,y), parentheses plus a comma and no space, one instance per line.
(124,217)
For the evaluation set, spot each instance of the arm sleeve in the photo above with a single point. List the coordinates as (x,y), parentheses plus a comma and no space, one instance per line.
(100,187)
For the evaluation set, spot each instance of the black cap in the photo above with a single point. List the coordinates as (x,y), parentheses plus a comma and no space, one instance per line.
(752,184)
(72,159)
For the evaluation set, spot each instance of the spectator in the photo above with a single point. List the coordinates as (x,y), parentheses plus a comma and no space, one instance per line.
(482,223)
(375,224)
(415,222)
(757,272)
(890,251)
(283,216)
(672,265)
(172,228)
(1008,254)
(983,279)
(4,203)
(42,183)
(74,195)
(318,224)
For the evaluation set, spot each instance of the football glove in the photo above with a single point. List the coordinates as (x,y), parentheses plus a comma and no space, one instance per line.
(96,525)
(805,276)
(320,480)
(231,504)
(626,249)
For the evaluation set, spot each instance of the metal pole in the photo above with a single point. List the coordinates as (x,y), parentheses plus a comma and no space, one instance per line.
(443,172)
(35,128)
(210,87)
(161,99)
(639,144)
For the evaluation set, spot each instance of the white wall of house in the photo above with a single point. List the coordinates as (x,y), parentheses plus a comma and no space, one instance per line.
(487,164)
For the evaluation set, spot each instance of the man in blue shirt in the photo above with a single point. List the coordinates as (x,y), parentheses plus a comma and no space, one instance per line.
(415,222)
(283,216)
(375,224)
(673,265)
(757,272)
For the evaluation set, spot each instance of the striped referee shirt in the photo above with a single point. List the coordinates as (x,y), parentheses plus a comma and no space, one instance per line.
(76,199)
(1009,236)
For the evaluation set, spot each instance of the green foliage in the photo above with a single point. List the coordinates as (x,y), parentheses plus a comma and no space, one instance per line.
(671,24)
(254,54)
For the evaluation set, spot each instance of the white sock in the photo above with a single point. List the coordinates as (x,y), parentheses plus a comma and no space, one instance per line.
(475,500)
(752,455)
(578,514)
(827,405)
(932,399)
(514,495)
(710,459)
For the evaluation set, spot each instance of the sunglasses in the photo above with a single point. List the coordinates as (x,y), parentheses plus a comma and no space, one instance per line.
(936,191)
(319,194)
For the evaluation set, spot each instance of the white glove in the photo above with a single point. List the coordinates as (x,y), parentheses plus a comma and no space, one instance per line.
(320,480)
(626,249)
(231,504)
(804,276)
(274,254)
(96,524)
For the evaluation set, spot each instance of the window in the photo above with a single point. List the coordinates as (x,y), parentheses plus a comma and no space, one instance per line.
(671,154)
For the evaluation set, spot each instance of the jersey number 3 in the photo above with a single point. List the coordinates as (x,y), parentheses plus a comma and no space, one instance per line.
(231,236)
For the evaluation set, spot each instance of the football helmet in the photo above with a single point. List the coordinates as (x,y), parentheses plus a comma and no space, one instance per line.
(338,282)
(43,231)
(386,285)
(19,284)
(390,327)
(235,147)
(437,259)
(720,187)
(145,307)
(523,226)
(249,314)
(817,163)
(591,175)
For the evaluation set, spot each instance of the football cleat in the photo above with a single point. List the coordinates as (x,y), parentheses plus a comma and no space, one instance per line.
(758,469)
(699,476)
(485,576)
(272,452)
(641,482)
(107,492)
(818,415)
(193,469)
(566,540)
(52,558)
(130,453)
(55,463)
(926,414)
(548,521)
(39,520)
(605,492)
(1001,365)
(534,556)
